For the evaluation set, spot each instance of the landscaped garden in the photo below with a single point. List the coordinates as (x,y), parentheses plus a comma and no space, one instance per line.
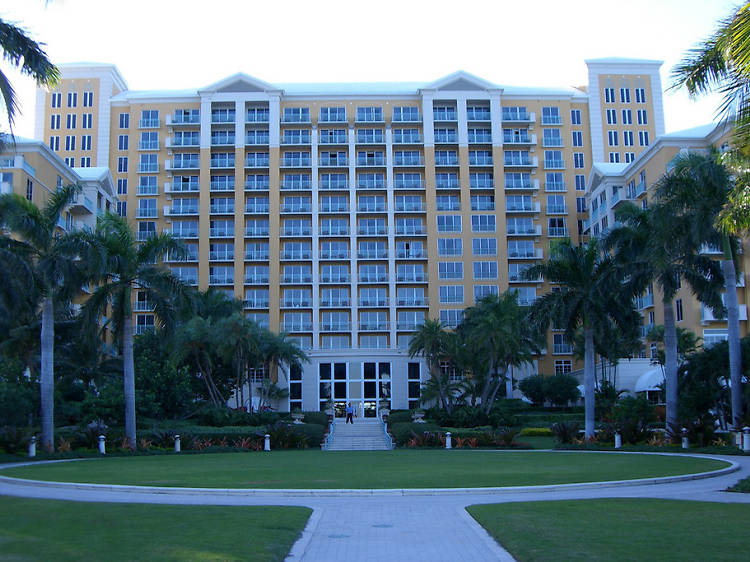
(32,529)
(618,529)
(367,469)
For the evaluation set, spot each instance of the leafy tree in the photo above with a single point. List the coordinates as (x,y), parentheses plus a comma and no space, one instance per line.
(500,332)
(122,266)
(591,293)
(656,247)
(27,55)
(430,342)
(561,389)
(47,262)
(533,389)
(687,344)
(240,340)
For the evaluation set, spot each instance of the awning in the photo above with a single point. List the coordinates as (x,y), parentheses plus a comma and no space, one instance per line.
(650,380)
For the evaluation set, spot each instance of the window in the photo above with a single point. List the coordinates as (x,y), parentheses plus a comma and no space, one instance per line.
(54,143)
(122,164)
(642,116)
(678,308)
(554,181)
(445,202)
(72,99)
(70,142)
(370,114)
(450,270)
(56,98)
(627,138)
(712,337)
(577,138)
(87,120)
(122,186)
(640,95)
(54,122)
(553,159)
(575,116)
(551,137)
(563,366)
(484,246)
(70,121)
(482,202)
(88,99)
(556,227)
(449,223)
(611,117)
(150,140)
(483,223)
(124,120)
(450,246)
(332,114)
(86,142)
(485,269)
(612,137)
(405,113)
(85,161)
(551,116)
(29,190)
(70,161)
(481,291)
(629,156)
(122,208)
(627,116)
(451,317)
(578,160)
(643,138)
(581,204)
(451,294)
(609,95)
(625,95)
(149,118)
(556,204)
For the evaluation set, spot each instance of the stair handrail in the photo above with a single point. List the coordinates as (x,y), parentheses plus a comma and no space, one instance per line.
(329,438)
(388,438)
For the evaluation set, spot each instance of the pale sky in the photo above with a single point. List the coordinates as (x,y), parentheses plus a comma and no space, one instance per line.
(185,44)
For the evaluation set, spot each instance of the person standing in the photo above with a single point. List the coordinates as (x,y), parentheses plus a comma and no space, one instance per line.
(349,413)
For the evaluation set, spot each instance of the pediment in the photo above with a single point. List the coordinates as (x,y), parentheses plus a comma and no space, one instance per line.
(462,81)
(240,83)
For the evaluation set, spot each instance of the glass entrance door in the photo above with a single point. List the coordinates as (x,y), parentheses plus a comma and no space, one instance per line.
(368,389)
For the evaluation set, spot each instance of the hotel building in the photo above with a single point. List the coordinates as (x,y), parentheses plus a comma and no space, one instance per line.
(347,214)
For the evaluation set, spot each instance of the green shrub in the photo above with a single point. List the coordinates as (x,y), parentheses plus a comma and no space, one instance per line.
(632,416)
(224,416)
(536,432)
(565,432)
(313,431)
(400,416)
(403,431)
(320,418)
(533,388)
(14,439)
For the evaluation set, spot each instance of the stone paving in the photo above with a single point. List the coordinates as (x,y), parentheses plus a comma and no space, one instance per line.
(394,526)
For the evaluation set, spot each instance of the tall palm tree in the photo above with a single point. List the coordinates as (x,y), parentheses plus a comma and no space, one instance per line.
(240,343)
(277,350)
(28,56)
(500,331)
(697,189)
(121,266)
(591,296)
(657,246)
(46,262)
(722,63)
(429,341)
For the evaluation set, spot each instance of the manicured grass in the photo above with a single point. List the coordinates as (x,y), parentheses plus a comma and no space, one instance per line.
(618,529)
(33,529)
(742,486)
(366,469)
(538,442)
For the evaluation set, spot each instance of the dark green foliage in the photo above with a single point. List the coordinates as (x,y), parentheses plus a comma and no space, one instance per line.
(565,432)
(400,416)
(632,417)
(742,486)
(286,436)
(403,431)
(533,389)
(19,396)
(14,439)
(222,415)
(606,397)
(561,389)
(503,413)
(319,418)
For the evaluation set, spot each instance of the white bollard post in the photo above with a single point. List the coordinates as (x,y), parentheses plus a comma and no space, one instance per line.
(32,447)
(746,439)
(177,443)
(618,441)
(685,443)
(102,445)
(738,438)
(267,443)
(448,443)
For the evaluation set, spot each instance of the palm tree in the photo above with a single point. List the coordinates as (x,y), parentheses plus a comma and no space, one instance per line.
(722,63)
(277,350)
(591,295)
(240,343)
(46,261)
(429,341)
(122,266)
(697,189)
(656,246)
(500,332)
(28,56)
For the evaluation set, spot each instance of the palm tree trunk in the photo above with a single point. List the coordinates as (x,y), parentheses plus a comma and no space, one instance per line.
(733,334)
(47,376)
(128,371)
(670,367)
(588,381)
(509,383)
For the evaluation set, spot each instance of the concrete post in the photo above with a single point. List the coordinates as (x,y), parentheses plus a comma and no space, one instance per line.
(176,443)
(32,447)
(102,445)
(746,440)
(267,443)
(685,443)
(738,438)
(448,443)
(618,441)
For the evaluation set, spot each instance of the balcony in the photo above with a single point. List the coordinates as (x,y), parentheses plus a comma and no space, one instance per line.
(189,280)
(521,162)
(412,301)
(371,184)
(256,185)
(181,187)
(255,139)
(255,232)
(411,138)
(334,254)
(333,161)
(335,303)
(554,186)
(334,208)
(408,160)
(296,231)
(514,115)
(143,235)
(410,117)
(256,255)
(558,232)
(450,183)
(223,117)
(408,184)
(365,302)
(183,118)
(185,233)
(334,230)
(533,230)
(148,213)
(383,326)
(296,184)
(335,326)
(402,207)
(335,278)
(221,279)
(520,139)
(480,160)
(222,140)
(141,329)
(373,277)
(221,256)
(256,160)
(522,185)
(301,162)
(299,117)
(444,114)
(296,303)
(296,278)
(255,303)
(371,207)
(295,327)
(530,207)
(562,349)
(149,124)
(483,137)
(369,117)
(370,136)
(707,315)
(446,160)
(482,184)
(450,137)
(554,164)
(299,208)
(646,329)
(333,137)
(645,301)
(143,306)
(221,232)
(334,184)
(296,255)
(257,115)
(222,162)
(410,230)
(256,279)
(81,205)
(557,209)
(365,161)
(181,210)
(525,254)
(227,209)
(408,326)
(551,120)
(519,277)
(411,254)
(373,230)
(256,208)
(148,168)
(413,277)
(150,189)
(300,140)
(148,145)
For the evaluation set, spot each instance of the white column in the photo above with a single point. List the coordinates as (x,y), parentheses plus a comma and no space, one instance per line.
(463,129)
(205,138)
(315,237)
(428,125)
(274,120)
(496,115)
(391,202)
(354,308)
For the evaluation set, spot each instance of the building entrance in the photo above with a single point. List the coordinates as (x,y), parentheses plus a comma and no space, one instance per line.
(366,385)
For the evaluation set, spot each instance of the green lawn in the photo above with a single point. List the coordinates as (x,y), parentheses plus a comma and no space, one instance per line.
(365,469)
(33,529)
(618,529)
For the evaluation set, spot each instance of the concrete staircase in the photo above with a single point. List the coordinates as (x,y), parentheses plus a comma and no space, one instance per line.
(362,435)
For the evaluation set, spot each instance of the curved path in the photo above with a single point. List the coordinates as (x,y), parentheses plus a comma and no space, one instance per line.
(397,525)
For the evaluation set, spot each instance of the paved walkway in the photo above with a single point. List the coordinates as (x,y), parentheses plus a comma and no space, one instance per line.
(396,526)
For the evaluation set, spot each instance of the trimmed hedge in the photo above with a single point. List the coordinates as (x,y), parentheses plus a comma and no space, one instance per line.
(400,416)
(536,432)
(320,418)
(402,431)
